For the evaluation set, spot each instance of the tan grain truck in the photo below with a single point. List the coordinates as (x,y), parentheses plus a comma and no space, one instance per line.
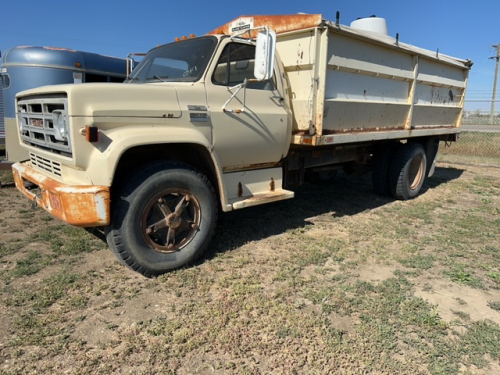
(230,120)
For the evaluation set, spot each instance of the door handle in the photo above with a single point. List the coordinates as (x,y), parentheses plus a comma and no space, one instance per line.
(280,98)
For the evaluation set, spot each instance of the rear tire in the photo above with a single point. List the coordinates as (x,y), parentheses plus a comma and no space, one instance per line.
(381,168)
(163,219)
(408,171)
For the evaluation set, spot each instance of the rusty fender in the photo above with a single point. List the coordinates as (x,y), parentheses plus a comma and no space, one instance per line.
(85,206)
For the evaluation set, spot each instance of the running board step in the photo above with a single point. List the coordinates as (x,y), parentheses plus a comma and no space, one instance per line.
(262,198)
(253,187)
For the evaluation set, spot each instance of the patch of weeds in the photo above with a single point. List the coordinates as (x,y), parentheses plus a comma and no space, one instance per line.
(495,276)
(460,301)
(431,318)
(112,326)
(494,305)
(476,226)
(422,210)
(50,291)
(7,249)
(491,250)
(318,296)
(299,303)
(29,265)
(287,272)
(35,322)
(462,315)
(483,181)
(33,328)
(56,244)
(407,273)
(6,177)
(460,275)
(427,288)
(334,336)
(423,262)
(78,302)
(420,312)
(75,246)
(45,235)
(482,338)
(312,256)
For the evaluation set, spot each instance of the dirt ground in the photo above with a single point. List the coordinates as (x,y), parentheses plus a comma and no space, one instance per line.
(337,280)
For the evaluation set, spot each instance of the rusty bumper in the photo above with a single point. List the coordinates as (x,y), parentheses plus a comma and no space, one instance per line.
(86,206)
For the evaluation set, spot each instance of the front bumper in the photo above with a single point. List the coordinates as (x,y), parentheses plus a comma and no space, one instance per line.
(86,206)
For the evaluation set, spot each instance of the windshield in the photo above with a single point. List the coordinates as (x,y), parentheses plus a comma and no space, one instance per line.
(183,61)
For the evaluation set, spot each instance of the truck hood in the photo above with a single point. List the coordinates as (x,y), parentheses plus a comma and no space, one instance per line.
(116,99)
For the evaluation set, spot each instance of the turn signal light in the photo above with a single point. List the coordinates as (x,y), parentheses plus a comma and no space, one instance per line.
(91,134)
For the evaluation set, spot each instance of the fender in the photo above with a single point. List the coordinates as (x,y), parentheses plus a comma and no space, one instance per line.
(115,142)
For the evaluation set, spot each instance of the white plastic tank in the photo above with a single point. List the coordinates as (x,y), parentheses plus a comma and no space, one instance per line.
(372,24)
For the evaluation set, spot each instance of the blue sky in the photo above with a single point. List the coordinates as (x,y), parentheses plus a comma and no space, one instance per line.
(465,29)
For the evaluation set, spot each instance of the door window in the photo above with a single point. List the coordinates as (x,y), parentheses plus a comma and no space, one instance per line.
(236,64)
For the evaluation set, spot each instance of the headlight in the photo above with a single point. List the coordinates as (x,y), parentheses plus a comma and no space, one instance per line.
(60,125)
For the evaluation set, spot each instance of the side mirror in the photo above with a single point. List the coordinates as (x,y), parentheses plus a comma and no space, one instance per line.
(132,63)
(264,55)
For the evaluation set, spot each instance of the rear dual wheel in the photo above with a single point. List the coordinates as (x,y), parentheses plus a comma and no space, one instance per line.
(381,166)
(400,170)
(408,171)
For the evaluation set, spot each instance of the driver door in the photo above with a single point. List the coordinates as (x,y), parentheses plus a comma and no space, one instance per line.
(260,133)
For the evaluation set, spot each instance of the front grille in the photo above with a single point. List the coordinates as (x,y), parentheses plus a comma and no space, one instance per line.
(36,127)
(50,166)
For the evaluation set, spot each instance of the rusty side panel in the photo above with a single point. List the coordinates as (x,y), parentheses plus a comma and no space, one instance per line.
(250,167)
(85,206)
(278,23)
(362,130)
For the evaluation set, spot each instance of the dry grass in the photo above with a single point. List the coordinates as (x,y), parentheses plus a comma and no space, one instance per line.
(475,145)
(337,280)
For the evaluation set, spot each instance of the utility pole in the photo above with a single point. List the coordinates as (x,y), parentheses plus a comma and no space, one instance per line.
(497,57)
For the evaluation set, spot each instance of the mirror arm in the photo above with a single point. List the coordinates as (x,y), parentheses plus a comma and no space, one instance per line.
(240,36)
(238,87)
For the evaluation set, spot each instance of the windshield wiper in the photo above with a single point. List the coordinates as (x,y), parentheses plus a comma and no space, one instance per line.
(160,78)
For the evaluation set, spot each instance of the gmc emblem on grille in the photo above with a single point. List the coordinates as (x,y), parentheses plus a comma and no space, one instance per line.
(37,122)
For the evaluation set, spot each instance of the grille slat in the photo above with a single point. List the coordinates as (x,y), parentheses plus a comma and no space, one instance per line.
(46,164)
(37,129)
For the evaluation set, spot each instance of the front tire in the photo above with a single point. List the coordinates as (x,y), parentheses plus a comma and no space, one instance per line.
(408,171)
(163,219)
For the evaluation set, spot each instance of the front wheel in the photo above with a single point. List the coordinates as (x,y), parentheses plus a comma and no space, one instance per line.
(408,170)
(163,219)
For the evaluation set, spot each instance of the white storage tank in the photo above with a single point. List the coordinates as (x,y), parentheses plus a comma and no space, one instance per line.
(372,24)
